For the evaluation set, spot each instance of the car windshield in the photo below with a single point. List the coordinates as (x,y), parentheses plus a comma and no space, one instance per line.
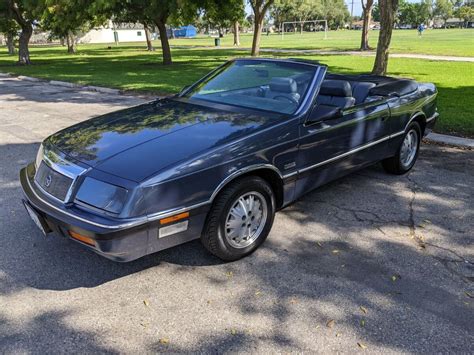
(258,84)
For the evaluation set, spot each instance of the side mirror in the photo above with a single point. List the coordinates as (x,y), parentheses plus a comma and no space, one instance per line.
(323,113)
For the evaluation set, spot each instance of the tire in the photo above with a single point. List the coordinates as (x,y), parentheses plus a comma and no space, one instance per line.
(400,163)
(218,233)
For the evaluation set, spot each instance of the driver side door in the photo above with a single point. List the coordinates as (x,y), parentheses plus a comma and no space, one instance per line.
(334,146)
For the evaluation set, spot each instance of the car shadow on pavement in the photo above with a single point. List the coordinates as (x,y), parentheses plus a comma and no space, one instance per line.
(350,252)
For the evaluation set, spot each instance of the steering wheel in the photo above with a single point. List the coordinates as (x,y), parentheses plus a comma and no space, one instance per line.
(292,100)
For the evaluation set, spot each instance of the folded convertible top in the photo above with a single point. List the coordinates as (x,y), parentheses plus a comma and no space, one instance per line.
(399,87)
(385,85)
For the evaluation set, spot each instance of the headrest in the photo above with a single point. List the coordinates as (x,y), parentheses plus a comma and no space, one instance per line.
(339,88)
(286,85)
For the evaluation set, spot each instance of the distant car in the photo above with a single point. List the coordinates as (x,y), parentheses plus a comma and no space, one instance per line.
(217,160)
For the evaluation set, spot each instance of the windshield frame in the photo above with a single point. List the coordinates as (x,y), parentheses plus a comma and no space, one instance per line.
(314,66)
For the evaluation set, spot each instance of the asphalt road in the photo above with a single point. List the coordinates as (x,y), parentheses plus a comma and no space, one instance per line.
(371,262)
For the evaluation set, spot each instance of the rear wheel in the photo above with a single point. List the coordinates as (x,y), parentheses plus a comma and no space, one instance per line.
(407,153)
(240,219)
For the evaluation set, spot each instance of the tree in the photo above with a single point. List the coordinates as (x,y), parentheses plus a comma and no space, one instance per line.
(388,10)
(376,13)
(414,14)
(444,10)
(304,9)
(149,44)
(23,14)
(160,13)
(9,28)
(281,11)
(224,14)
(466,13)
(66,19)
(260,9)
(367,7)
(335,12)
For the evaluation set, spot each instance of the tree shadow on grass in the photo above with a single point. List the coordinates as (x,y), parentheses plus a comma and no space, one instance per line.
(143,72)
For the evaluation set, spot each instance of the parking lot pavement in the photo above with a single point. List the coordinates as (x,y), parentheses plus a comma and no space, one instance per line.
(371,261)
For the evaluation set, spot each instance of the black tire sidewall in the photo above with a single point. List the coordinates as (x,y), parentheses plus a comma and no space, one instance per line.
(257,185)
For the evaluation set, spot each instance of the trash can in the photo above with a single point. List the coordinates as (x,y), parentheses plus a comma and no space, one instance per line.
(217,42)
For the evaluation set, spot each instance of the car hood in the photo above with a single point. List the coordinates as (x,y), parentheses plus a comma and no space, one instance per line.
(137,142)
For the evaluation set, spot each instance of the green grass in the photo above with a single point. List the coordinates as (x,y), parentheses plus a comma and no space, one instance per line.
(455,42)
(132,68)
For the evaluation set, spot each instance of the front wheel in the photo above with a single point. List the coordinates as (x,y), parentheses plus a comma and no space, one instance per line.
(407,153)
(240,219)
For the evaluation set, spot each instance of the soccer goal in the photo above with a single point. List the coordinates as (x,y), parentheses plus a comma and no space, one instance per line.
(298,26)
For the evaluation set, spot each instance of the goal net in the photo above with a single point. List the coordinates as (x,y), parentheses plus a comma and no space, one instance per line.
(311,26)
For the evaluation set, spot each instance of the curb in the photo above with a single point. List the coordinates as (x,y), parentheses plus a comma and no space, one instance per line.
(65,84)
(450,140)
(102,89)
(28,78)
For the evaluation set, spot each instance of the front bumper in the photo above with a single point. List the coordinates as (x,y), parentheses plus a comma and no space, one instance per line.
(116,239)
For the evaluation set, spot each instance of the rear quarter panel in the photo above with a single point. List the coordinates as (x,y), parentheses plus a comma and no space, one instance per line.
(420,104)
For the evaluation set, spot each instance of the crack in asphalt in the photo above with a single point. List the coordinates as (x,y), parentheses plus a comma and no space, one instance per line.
(413,186)
(355,213)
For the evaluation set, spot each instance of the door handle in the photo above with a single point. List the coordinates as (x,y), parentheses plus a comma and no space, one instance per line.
(318,127)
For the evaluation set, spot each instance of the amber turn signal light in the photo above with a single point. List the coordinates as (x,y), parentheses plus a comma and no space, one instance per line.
(174,218)
(82,238)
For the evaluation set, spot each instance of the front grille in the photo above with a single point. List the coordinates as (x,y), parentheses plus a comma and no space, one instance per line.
(52,182)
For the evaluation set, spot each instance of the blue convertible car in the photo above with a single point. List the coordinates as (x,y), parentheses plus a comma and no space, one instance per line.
(217,160)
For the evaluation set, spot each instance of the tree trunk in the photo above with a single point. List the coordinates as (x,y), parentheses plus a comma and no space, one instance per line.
(149,45)
(257,34)
(367,13)
(10,43)
(388,9)
(23,42)
(236,34)
(165,44)
(25,35)
(71,43)
(259,8)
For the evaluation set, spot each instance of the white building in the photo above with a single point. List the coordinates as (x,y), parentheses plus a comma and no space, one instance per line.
(125,32)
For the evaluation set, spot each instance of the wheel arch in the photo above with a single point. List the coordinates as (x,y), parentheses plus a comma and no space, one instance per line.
(267,172)
(420,118)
